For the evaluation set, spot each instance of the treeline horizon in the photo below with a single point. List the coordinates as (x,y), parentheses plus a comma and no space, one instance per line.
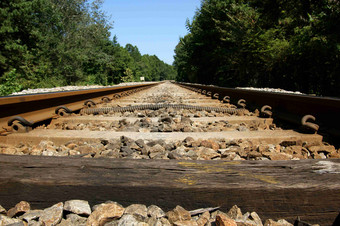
(48,43)
(294,45)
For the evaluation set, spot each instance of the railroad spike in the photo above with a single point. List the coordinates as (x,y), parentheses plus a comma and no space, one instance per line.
(266,111)
(19,124)
(106,99)
(241,103)
(226,99)
(309,125)
(89,103)
(62,111)
(216,96)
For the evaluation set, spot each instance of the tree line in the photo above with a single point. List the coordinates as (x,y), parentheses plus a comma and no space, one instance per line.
(288,44)
(46,43)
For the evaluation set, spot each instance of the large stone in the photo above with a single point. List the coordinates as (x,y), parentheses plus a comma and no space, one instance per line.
(263,148)
(188,141)
(210,144)
(113,144)
(8,151)
(255,217)
(155,211)
(31,215)
(167,119)
(186,120)
(203,219)
(79,207)
(140,143)
(153,221)
(64,222)
(322,148)
(4,220)
(19,209)
(207,154)
(277,156)
(157,148)
(76,219)
(137,210)
(254,154)
(52,215)
(178,214)
(126,151)
(224,220)
(235,213)
(104,213)
(134,146)
(130,220)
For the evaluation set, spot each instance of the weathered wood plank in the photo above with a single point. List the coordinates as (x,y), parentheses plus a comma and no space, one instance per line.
(62,136)
(229,119)
(274,189)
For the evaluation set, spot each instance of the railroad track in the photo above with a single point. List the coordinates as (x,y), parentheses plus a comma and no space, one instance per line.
(168,145)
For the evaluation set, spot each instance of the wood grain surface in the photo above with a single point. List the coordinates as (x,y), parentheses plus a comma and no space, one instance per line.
(274,189)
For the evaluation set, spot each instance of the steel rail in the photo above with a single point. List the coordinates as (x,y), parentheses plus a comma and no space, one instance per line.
(288,107)
(39,107)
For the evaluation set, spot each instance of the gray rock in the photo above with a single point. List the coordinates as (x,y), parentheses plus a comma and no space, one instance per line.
(64,222)
(48,153)
(4,220)
(128,220)
(186,120)
(255,217)
(112,223)
(154,142)
(105,212)
(167,119)
(110,153)
(125,140)
(76,219)
(165,222)
(207,153)
(31,215)
(19,209)
(188,141)
(138,211)
(178,214)
(174,155)
(52,215)
(79,207)
(157,148)
(155,211)
(153,221)
(140,143)
(235,213)
(192,154)
(126,151)
(113,144)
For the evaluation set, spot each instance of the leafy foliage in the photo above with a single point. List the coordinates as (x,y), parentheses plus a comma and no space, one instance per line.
(286,44)
(46,43)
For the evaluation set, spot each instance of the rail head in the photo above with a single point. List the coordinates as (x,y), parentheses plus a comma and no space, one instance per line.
(39,107)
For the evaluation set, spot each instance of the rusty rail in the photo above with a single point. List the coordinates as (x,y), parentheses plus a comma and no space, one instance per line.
(287,107)
(39,107)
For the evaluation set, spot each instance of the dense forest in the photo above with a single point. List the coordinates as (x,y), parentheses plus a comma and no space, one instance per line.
(289,44)
(46,43)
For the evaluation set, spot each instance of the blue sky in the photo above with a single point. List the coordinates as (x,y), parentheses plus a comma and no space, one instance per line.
(154,26)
